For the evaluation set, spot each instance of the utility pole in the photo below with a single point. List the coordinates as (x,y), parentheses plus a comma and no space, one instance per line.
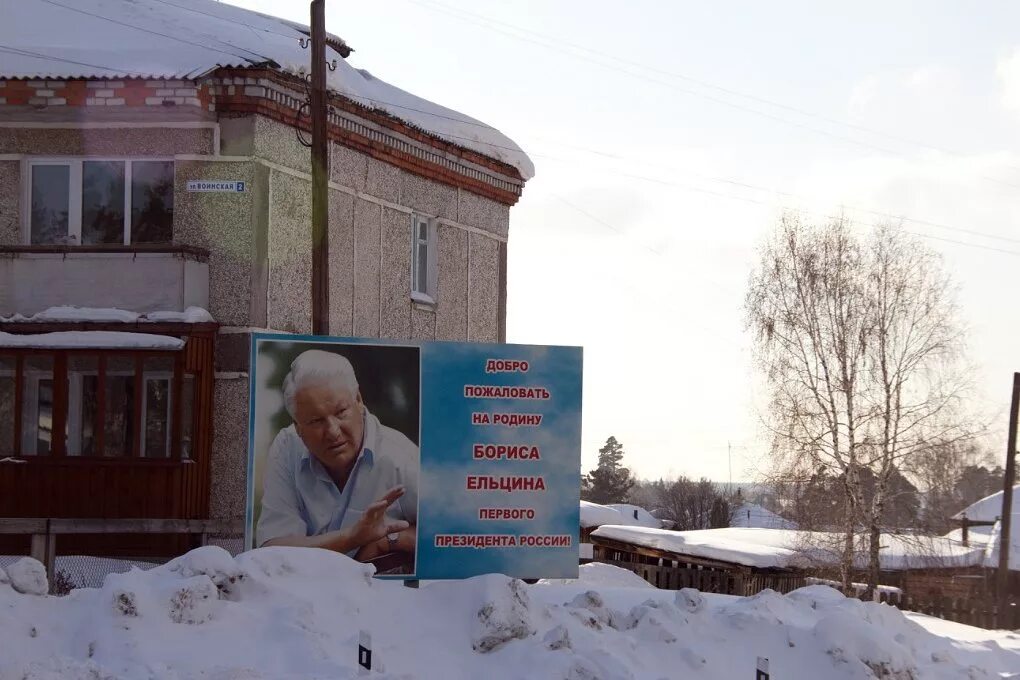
(729,457)
(320,174)
(1007,498)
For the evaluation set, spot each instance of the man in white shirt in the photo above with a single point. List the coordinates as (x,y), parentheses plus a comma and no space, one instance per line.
(337,478)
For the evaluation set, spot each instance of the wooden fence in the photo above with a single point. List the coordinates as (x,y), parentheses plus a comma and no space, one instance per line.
(978,610)
(709,580)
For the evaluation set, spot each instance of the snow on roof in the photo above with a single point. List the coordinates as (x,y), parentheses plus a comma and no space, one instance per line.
(595,515)
(636,515)
(90,339)
(989,508)
(752,515)
(189,38)
(784,548)
(979,535)
(109,314)
(991,549)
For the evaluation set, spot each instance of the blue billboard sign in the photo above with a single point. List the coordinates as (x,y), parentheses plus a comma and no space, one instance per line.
(431,460)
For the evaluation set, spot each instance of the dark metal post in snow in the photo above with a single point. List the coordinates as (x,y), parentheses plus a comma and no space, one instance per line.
(320,174)
(1007,498)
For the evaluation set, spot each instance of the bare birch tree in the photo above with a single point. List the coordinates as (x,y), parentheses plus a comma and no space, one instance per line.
(858,340)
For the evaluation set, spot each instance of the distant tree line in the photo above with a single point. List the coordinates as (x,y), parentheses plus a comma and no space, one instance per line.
(683,502)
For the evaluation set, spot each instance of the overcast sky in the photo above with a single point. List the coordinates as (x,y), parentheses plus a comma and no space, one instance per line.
(668,137)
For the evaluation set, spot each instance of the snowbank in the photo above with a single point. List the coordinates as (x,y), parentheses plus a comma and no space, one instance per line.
(300,613)
(783,548)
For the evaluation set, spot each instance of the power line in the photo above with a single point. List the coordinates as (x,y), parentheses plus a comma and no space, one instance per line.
(164,35)
(703,83)
(23,52)
(229,21)
(604,60)
(724,180)
(801,211)
(37,55)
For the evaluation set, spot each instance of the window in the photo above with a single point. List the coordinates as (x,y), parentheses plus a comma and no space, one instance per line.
(424,280)
(93,202)
(115,405)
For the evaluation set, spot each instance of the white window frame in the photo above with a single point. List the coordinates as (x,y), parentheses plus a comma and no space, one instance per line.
(430,295)
(74,194)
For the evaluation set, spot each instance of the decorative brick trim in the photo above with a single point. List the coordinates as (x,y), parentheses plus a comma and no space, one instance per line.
(280,96)
(103,92)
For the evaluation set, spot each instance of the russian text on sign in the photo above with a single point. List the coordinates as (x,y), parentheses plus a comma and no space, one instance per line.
(506,513)
(502,451)
(505,366)
(504,392)
(508,483)
(507,419)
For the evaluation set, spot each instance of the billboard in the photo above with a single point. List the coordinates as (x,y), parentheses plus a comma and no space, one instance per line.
(431,460)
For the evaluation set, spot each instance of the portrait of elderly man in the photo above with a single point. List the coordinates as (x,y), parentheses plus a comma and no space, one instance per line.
(337,478)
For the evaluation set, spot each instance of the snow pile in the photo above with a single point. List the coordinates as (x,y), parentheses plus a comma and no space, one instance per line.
(27,576)
(293,612)
(754,516)
(91,339)
(599,574)
(67,313)
(784,548)
(189,38)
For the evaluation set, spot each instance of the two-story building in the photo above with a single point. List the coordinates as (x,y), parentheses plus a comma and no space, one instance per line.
(155,209)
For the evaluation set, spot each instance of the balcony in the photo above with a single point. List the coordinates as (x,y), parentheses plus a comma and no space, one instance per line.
(138,278)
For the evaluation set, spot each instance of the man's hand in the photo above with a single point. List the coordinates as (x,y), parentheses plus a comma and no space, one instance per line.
(405,543)
(374,525)
(364,535)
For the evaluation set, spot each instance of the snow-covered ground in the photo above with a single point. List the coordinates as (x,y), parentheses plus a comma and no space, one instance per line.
(300,613)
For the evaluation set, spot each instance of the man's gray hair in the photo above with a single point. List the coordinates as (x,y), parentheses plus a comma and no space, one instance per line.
(316,367)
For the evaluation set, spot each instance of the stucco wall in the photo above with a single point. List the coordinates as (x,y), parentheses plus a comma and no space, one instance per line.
(223,224)
(10,202)
(276,142)
(228,486)
(370,253)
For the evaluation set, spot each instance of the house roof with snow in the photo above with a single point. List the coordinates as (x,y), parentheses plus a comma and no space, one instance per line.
(189,39)
(595,515)
(754,516)
(787,549)
(989,508)
(993,546)
(636,515)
